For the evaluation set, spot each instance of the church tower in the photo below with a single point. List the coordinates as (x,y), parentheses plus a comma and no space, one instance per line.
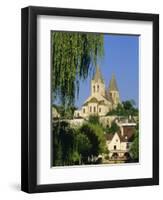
(97,83)
(113,92)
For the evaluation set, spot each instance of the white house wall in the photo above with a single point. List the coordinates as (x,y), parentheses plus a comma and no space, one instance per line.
(114,142)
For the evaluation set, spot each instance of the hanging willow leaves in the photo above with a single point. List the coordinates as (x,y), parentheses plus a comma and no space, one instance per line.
(73,56)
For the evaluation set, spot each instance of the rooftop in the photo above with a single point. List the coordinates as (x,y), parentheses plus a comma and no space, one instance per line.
(113,84)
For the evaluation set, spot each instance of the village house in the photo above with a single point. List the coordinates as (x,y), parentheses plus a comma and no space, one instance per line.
(119,143)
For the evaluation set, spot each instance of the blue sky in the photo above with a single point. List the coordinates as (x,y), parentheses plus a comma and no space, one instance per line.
(120,58)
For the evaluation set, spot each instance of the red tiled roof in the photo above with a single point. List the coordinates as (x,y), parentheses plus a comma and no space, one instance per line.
(128,133)
(109,136)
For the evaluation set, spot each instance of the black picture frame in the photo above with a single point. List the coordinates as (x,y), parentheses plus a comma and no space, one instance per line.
(29,99)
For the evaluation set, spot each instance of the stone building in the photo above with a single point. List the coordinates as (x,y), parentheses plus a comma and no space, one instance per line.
(102,99)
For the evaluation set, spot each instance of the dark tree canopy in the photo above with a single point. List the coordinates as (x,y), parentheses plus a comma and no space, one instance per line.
(73,56)
(134,150)
(113,128)
(73,146)
(127,108)
(94,119)
(95,134)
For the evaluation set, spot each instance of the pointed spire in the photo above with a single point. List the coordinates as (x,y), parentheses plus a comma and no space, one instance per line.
(98,76)
(113,84)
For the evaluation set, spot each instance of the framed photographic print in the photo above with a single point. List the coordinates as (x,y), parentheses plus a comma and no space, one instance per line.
(90,99)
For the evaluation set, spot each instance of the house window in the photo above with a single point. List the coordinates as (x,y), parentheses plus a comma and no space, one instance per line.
(127,145)
(94,88)
(99,109)
(90,109)
(83,110)
(94,109)
(115,147)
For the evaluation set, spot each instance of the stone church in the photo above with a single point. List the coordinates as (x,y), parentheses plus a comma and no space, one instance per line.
(102,99)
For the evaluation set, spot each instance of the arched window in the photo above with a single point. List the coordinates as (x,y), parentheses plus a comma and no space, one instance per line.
(94,88)
(94,109)
(98,88)
(99,109)
(83,110)
(90,109)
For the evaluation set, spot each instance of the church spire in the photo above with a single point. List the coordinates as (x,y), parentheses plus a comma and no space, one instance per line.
(113,92)
(113,84)
(98,76)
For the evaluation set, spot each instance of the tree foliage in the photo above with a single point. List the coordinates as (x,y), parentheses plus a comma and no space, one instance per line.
(127,108)
(134,150)
(94,119)
(75,146)
(113,128)
(83,145)
(65,113)
(73,55)
(95,134)
(63,143)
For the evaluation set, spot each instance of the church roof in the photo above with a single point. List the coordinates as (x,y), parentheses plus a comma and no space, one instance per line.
(96,99)
(102,103)
(98,76)
(107,96)
(113,84)
(91,100)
